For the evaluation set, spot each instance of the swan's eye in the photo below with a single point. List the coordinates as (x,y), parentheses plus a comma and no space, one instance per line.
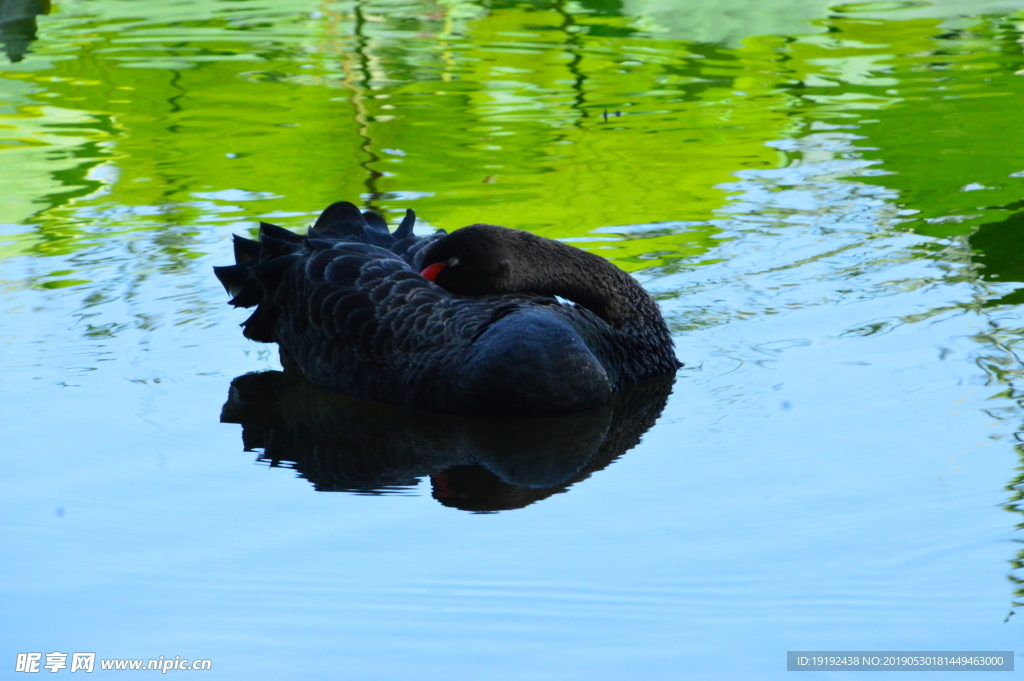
(452,261)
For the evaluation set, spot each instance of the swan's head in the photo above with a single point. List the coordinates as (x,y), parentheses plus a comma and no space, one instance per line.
(481,260)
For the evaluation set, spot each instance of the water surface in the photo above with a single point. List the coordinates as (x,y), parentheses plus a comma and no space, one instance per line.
(827,199)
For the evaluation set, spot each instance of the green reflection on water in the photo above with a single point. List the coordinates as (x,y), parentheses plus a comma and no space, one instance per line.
(555,118)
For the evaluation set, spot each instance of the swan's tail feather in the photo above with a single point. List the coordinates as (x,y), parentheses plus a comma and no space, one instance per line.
(279,248)
(240,284)
(267,229)
(343,220)
(269,272)
(271,248)
(377,230)
(260,325)
(254,279)
(247,297)
(245,249)
(259,266)
(405,228)
(233,277)
(376,222)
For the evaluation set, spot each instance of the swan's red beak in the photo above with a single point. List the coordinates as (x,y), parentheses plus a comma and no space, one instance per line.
(430,272)
(442,489)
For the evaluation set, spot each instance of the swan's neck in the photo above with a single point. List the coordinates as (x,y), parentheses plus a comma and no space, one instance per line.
(594,283)
(644,345)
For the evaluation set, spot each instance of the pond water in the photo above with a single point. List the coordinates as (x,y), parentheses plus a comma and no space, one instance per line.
(826,199)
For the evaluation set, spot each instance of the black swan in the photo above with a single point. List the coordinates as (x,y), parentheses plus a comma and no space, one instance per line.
(466,323)
(341,444)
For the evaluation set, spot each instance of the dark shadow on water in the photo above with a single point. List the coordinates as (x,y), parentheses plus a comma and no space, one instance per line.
(342,444)
(999,248)
(18,25)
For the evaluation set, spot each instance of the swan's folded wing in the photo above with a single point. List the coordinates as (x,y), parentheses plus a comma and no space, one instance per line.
(357,319)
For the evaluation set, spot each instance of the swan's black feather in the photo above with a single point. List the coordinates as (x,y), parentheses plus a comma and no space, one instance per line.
(405,227)
(317,263)
(245,249)
(233,277)
(270,271)
(350,312)
(377,223)
(342,220)
(247,297)
(260,324)
(272,247)
(318,244)
(267,229)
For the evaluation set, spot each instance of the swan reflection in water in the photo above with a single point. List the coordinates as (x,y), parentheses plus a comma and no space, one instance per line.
(341,444)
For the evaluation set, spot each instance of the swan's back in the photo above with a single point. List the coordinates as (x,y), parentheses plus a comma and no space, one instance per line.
(349,310)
